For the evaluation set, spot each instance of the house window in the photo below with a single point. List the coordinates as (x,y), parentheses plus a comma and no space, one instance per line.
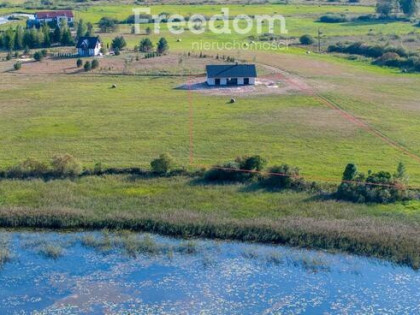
(217,82)
(232,81)
(246,81)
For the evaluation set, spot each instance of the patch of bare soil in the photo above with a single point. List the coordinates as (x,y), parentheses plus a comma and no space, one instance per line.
(130,63)
(50,66)
(275,83)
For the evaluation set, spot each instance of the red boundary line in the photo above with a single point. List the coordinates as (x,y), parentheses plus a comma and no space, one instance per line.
(191,123)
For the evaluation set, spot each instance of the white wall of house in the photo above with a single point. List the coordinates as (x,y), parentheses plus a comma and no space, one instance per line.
(97,50)
(223,81)
(211,81)
(92,52)
(59,19)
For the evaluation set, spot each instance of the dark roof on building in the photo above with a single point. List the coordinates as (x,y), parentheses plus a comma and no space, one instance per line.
(53,14)
(231,71)
(87,42)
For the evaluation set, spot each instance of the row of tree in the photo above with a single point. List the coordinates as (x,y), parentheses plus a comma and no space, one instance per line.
(20,38)
(146,46)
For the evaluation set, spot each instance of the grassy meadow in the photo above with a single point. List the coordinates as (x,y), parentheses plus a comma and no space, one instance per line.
(80,114)
(52,107)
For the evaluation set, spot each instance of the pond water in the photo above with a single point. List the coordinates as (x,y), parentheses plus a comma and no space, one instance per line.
(9,18)
(102,272)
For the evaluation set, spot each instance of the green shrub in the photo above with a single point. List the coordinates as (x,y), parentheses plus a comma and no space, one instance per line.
(95,63)
(385,55)
(372,51)
(252,163)
(229,172)
(146,45)
(87,66)
(162,46)
(118,42)
(163,164)
(17,66)
(390,59)
(384,7)
(38,56)
(108,25)
(79,63)
(284,177)
(381,187)
(241,170)
(66,165)
(333,18)
(306,40)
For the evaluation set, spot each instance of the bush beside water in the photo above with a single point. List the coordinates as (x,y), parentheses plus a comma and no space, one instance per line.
(384,55)
(380,187)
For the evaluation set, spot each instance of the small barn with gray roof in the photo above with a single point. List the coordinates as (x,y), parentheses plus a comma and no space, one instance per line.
(237,74)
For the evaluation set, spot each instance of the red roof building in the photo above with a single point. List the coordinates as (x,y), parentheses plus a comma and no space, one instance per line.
(52,15)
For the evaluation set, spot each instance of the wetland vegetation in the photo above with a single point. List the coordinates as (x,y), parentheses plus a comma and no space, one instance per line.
(114,119)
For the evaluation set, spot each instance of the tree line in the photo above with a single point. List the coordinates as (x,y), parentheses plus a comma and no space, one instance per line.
(19,38)
(147,46)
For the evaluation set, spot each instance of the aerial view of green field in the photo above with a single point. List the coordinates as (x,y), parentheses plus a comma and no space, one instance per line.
(284,122)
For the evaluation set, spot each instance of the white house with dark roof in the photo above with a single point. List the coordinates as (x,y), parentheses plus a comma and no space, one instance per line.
(89,46)
(237,74)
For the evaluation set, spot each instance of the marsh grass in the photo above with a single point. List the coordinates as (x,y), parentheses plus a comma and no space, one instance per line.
(310,263)
(5,254)
(47,247)
(391,237)
(274,258)
(102,243)
(51,251)
(133,244)
(188,247)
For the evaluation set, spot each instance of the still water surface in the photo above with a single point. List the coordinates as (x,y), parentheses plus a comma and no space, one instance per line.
(166,275)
